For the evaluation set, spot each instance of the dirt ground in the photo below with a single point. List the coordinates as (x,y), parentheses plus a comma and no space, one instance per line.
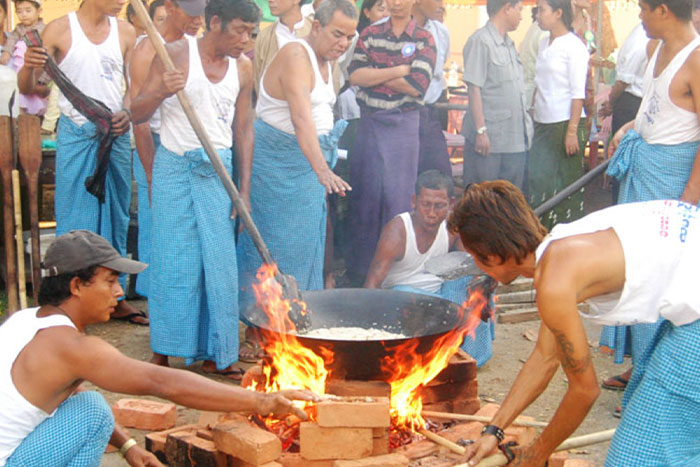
(510,350)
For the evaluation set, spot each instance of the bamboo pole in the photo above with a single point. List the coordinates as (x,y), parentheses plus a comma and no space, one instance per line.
(440,441)
(21,278)
(479,418)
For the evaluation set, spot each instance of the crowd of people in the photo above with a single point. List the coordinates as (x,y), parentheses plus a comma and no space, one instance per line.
(276,103)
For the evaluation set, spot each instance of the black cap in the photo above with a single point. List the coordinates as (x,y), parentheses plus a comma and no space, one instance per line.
(80,249)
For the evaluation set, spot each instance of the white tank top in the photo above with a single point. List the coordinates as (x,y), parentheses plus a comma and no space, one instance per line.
(410,271)
(18,417)
(659,120)
(154,122)
(661,244)
(215,103)
(275,112)
(96,69)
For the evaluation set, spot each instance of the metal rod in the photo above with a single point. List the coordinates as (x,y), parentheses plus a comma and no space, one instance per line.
(479,418)
(571,189)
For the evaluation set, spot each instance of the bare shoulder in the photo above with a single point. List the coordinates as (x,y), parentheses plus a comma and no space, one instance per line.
(395,231)
(294,54)
(693,62)
(126,31)
(57,34)
(245,66)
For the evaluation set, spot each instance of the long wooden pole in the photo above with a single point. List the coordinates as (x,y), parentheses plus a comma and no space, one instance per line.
(21,278)
(287,282)
(479,418)
(30,159)
(6,166)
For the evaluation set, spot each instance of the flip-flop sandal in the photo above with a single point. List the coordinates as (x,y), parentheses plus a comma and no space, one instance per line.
(130,318)
(235,374)
(617,413)
(255,349)
(615,383)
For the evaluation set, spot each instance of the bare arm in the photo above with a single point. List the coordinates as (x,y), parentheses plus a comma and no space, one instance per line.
(140,65)
(159,85)
(691,192)
(244,128)
(35,57)
(91,359)
(297,92)
(482,144)
(402,86)
(390,249)
(571,142)
(121,119)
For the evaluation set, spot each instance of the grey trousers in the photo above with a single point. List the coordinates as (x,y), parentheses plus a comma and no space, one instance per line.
(496,166)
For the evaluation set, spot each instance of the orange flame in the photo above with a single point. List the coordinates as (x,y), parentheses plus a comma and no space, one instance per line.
(410,370)
(292,366)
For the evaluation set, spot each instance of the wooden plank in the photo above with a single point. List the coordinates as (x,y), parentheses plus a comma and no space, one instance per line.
(519,317)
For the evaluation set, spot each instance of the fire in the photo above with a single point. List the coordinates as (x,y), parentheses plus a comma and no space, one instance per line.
(410,370)
(290,365)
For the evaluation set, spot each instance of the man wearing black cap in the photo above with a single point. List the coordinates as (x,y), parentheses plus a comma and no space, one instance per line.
(44,357)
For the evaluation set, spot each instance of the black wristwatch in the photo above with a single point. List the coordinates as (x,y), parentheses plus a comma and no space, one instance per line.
(495,431)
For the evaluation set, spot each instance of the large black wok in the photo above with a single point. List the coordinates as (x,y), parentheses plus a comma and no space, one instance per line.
(413,315)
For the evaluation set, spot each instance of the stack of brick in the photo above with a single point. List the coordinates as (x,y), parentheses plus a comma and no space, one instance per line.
(349,432)
(454,389)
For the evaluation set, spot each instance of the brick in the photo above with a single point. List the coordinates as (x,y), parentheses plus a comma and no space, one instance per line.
(351,388)
(460,368)
(209,419)
(466,406)
(185,449)
(557,459)
(294,459)
(449,392)
(254,376)
(578,463)
(380,446)
(144,414)
(247,442)
(444,406)
(418,449)
(380,432)
(155,442)
(233,462)
(358,412)
(319,442)
(470,430)
(488,410)
(388,460)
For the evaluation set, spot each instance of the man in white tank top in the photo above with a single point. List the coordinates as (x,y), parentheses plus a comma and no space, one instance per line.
(409,240)
(92,48)
(658,153)
(185,17)
(296,143)
(46,418)
(193,234)
(632,263)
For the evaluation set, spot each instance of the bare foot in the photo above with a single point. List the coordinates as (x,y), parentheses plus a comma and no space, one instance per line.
(329,281)
(230,372)
(250,350)
(125,312)
(160,359)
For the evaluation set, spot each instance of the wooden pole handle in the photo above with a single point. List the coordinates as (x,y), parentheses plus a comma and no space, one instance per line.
(21,278)
(478,418)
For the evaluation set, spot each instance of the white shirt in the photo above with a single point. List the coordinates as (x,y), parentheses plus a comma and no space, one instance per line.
(442,44)
(661,244)
(632,61)
(560,76)
(276,113)
(284,35)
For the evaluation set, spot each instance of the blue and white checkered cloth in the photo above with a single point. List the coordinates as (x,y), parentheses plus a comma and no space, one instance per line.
(288,205)
(144,218)
(193,296)
(75,208)
(480,345)
(660,423)
(646,172)
(75,436)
